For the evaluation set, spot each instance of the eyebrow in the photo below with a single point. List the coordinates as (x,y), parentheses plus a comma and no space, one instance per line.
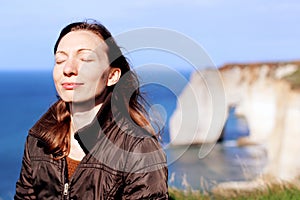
(78,51)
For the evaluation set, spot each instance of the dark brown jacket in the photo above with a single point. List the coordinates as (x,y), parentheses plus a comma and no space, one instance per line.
(122,161)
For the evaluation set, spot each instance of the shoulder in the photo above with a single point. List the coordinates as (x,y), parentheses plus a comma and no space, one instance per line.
(136,138)
(144,151)
(139,148)
(34,146)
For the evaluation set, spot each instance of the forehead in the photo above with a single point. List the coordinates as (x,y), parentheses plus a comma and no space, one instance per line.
(81,39)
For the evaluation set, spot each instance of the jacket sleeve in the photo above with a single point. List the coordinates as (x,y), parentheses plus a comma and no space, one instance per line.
(24,187)
(147,172)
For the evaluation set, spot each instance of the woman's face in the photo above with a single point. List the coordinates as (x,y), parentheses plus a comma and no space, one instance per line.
(81,66)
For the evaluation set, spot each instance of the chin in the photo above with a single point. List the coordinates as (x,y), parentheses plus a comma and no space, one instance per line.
(80,101)
(68,99)
(72,98)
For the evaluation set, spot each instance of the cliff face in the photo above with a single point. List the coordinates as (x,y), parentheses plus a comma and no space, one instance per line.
(271,106)
(258,91)
(262,94)
(201,104)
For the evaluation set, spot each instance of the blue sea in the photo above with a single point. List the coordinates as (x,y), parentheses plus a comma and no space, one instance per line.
(26,95)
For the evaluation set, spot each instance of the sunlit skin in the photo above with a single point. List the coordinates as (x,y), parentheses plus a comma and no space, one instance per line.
(81,64)
(80,74)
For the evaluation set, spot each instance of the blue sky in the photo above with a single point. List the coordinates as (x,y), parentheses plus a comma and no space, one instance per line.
(228,30)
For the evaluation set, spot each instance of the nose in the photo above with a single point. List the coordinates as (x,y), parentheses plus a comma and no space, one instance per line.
(70,68)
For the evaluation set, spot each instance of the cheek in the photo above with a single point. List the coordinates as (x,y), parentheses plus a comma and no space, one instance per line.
(55,75)
(99,82)
(104,77)
(57,79)
(94,74)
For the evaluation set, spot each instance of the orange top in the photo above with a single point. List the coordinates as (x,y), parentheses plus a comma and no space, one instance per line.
(72,165)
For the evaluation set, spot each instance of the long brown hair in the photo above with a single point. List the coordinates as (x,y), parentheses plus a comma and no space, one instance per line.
(128,97)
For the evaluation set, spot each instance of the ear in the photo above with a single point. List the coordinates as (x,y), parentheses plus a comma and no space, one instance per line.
(113,76)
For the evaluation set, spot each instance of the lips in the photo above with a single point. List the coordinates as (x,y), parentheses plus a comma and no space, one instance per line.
(71,85)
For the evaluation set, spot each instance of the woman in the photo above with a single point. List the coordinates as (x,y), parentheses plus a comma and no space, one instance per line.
(95,142)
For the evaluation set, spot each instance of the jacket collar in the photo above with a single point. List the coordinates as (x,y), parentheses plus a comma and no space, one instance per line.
(86,136)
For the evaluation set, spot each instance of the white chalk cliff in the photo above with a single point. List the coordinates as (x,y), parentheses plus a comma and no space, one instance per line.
(261,94)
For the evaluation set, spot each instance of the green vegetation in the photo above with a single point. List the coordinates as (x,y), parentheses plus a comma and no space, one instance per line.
(275,192)
(175,194)
(294,79)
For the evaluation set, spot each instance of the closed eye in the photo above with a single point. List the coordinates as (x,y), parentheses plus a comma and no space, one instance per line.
(60,57)
(59,61)
(86,59)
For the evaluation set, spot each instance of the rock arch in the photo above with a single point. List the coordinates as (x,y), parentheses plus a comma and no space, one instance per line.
(268,102)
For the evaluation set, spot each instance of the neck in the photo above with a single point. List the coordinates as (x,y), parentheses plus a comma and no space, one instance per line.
(83,114)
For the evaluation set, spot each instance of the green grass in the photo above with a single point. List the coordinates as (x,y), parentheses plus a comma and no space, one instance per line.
(275,192)
(286,194)
(186,195)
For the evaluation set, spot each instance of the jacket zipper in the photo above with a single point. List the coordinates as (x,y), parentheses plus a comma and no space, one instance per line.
(66,181)
(66,188)
(65,172)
